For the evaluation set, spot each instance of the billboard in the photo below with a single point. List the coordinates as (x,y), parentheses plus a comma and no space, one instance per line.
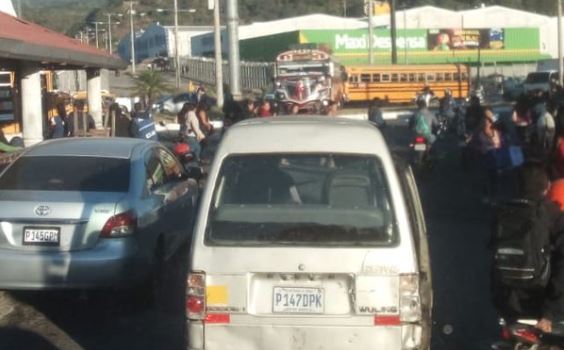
(466,39)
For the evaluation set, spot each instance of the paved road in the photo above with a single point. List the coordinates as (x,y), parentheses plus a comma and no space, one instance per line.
(457,224)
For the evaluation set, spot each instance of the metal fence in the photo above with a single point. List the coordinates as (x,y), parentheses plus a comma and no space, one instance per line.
(254,75)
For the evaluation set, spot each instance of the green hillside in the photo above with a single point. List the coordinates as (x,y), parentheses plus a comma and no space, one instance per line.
(71,15)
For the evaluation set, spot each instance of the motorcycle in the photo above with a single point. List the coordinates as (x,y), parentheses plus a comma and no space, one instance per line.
(185,155)
(420,149)
(522,335)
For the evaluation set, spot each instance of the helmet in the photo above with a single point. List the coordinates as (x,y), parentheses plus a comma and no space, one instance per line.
(556,193)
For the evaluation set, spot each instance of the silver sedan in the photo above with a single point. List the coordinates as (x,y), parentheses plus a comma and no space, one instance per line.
(92,213)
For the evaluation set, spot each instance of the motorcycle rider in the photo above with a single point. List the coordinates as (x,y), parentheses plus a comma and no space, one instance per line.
(447,106)
(424,121)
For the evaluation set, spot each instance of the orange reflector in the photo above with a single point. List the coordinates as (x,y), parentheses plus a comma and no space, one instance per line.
(218,318)
(387,320)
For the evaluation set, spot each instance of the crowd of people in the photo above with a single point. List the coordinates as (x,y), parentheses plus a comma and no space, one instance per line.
(523,151)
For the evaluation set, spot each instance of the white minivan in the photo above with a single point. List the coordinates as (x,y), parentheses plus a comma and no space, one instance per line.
(309,236)
(541,81)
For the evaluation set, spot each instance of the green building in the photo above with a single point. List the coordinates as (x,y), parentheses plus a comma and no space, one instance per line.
(415,46)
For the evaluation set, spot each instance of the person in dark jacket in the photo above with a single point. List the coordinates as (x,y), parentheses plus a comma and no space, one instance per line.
(548,304)
(553,304)
(142,125)
(375,114)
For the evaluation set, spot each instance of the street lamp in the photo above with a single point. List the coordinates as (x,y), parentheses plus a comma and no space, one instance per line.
(132,29)
(176,39)
(109,15)
(96,29)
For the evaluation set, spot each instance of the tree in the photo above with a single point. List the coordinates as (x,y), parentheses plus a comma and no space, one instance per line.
(149,85)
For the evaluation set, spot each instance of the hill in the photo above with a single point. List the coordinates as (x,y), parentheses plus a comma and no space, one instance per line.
(69,16)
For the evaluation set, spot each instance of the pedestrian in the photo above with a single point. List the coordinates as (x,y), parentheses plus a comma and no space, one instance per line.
(192,131)
(553,301)
(57,123)
(202,112)
(542,129)
(182,118)
(122,121)
(250,110)
(332,109)
(265,109)
(295,109)
(375,114)
(474,115)
(530,286)
(489,142)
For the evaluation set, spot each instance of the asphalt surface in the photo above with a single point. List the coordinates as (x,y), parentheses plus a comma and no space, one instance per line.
(458,233)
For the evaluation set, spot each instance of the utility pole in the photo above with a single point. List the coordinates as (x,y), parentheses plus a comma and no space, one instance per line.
(560,53)
(176,44)
(132,37)
(370,33)
(218,54)
(19,8)
(110,33)
(234,58)
(345,8)
(96,35)
(394,33)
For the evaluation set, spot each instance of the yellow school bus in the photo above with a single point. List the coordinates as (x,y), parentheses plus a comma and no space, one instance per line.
(400,83)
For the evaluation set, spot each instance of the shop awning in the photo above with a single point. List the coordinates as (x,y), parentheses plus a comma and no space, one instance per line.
(23,40)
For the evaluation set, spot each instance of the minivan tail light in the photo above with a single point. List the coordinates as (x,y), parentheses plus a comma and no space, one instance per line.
(196,296)
(120,225)
(410,300)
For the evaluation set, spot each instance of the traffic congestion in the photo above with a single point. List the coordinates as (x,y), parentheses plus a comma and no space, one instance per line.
(341,182)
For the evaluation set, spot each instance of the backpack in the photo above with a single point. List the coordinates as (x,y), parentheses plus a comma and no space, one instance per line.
(521,245)
(421,126)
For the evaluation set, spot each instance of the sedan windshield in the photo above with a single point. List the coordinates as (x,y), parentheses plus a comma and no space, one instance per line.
(84,174)
(302,200)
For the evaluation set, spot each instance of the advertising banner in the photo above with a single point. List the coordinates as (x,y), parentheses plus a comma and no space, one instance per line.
(466,39)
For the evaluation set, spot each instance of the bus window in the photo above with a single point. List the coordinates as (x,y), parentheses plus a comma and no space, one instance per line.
(448,76)
(456,76)
(353,78)
(395,78)
(412,77)
(430,77)
(464,76)
(421,77)
(403,77)
(385,78)
(365,78)
(440,76)
(376,78)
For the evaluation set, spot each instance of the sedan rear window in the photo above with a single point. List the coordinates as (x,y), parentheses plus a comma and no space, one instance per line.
(301,200)
(83,174)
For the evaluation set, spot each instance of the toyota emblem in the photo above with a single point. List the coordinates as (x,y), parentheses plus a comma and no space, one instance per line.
(42,210)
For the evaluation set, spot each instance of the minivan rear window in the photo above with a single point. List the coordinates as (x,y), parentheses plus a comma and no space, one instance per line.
(67,173)
(301,200)
(539,77)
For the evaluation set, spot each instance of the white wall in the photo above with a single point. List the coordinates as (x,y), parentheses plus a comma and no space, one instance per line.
(185,35)
(7,7)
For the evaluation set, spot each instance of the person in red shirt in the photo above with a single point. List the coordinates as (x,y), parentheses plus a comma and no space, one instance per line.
(265,109)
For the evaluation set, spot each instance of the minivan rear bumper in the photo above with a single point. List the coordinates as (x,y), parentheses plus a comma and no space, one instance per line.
(111,263)
(255,337)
